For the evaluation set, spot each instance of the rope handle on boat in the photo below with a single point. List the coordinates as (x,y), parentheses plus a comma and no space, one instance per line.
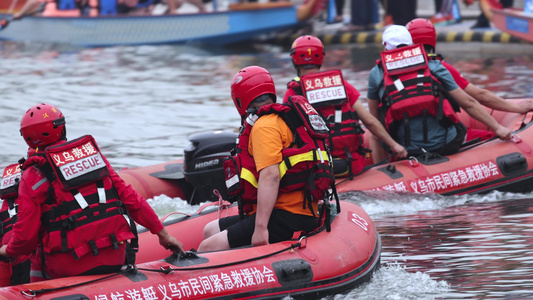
(174,213)
(516,139)
(382,162)
(414,161)
(222,204)
(167,269)
(33,293)
(302,243)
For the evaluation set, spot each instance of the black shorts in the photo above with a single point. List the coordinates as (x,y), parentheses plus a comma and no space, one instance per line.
(282,226)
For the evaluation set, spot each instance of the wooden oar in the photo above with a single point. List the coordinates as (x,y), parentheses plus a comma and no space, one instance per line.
(12,6)
(5,22)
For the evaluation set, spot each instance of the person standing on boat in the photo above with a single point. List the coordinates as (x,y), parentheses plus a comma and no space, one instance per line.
(340,110)
(423,32)
(280,153)
(74,209)
(417,99)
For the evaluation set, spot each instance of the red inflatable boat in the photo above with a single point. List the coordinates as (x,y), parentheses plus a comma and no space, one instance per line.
(311,267)
(477,168)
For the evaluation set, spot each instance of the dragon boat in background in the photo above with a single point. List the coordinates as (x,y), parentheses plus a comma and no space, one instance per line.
(239,22)
(516,22)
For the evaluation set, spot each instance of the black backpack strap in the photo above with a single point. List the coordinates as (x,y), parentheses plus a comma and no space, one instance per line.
(407,130)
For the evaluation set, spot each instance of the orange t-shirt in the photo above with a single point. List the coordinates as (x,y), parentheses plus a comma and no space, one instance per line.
(269,136)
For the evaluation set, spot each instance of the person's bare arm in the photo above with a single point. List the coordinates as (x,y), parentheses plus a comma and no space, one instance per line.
(491,100)
(474,109)
(267,194)
(168,241)
(376,128)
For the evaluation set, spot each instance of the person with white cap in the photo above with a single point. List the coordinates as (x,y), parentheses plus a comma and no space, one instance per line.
(337,102)
(417,99)
(423,32)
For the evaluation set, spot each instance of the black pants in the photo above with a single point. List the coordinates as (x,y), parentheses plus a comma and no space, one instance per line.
(482,20)
(438,5)
(339,6)
(401,11)
(362,12)
(21,273)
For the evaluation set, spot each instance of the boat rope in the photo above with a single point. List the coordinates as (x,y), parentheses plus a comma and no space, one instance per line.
(466,146)
(384,161)
(33,293)
(170,269)
(166,270)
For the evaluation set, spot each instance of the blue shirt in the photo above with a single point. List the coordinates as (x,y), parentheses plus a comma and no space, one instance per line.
(438,136)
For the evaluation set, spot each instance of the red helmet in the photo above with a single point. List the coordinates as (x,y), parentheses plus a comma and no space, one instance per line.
(250,83)
(307,50)
(42,125)
(423,32)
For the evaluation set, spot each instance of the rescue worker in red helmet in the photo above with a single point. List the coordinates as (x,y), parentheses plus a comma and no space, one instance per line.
(76,211)
(12,271)
(336,101)
(274,208)
(423,32)
(417,99)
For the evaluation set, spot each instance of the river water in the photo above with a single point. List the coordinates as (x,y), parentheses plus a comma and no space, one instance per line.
(141,104)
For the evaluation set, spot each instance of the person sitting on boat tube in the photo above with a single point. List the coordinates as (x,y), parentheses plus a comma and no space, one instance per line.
(280,149)
(336,101)
(75,210)
(417,99)
(423,32)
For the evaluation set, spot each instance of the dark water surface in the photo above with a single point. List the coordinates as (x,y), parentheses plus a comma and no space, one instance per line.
(141,104)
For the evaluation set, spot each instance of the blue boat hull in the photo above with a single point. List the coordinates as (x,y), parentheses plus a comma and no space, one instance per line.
(218,28)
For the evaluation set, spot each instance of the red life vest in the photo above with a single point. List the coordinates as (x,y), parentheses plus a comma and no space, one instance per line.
(411,90)
(307,166)
(84,214)
(327,93)
(9,193)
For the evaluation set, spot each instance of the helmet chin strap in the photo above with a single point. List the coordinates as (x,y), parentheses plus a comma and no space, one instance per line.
(306,67)
(297,69)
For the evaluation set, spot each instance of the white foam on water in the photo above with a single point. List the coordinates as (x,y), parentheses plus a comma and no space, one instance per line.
(382,203)
(393,281)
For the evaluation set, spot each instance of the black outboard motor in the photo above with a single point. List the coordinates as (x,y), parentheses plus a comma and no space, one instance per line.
(203,164)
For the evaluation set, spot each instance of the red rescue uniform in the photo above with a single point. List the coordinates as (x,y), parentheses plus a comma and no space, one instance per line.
(33,194)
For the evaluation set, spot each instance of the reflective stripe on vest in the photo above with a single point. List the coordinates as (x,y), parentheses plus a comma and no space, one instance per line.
(249,176)
(293,160)
(38,184)
(300,158)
